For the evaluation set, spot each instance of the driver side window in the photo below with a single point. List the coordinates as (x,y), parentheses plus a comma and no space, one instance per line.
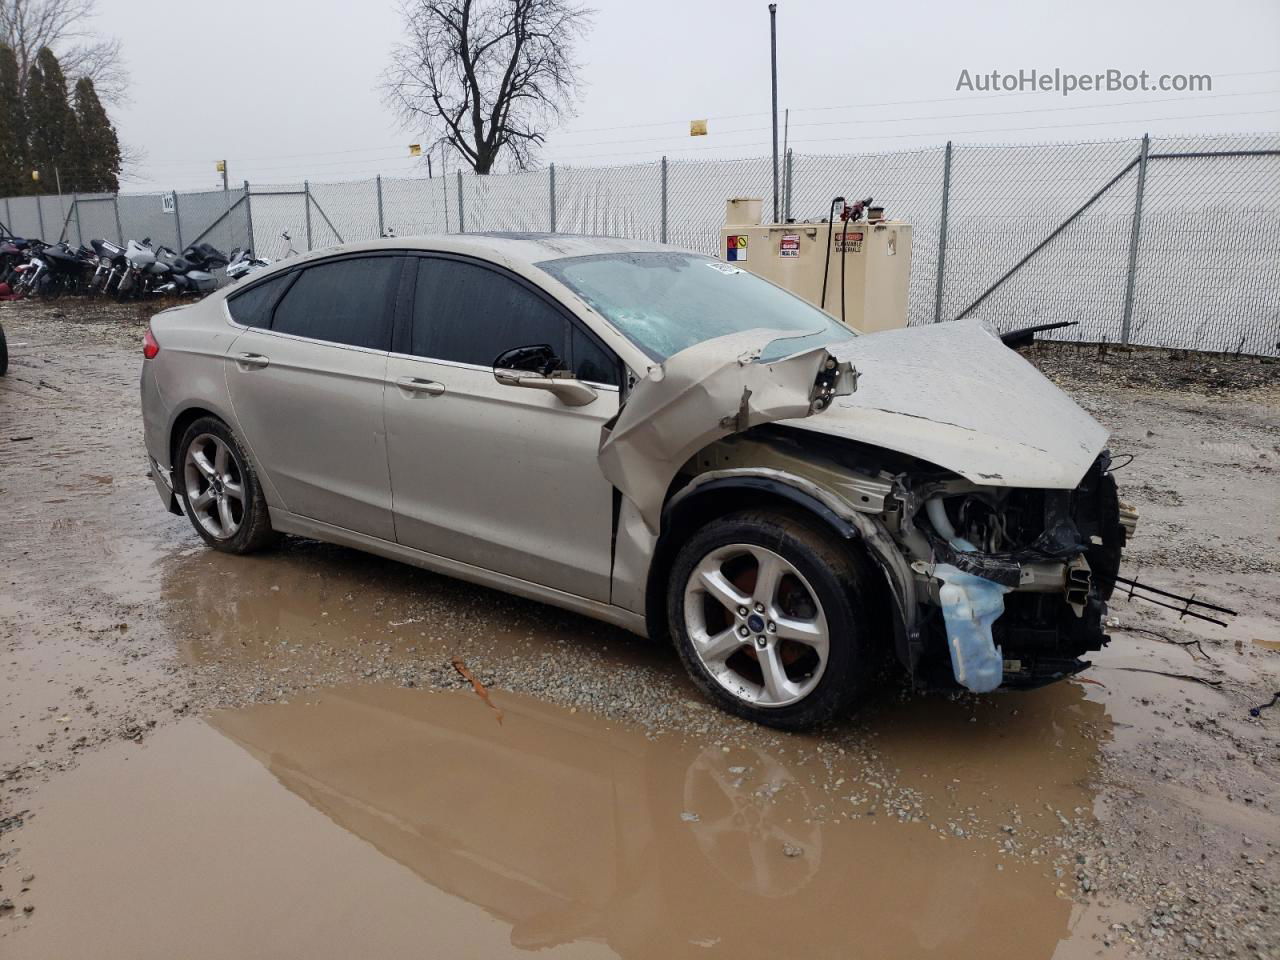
(466,313)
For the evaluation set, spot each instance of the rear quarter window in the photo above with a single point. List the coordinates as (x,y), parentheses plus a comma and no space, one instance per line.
(344,301)
(252,307)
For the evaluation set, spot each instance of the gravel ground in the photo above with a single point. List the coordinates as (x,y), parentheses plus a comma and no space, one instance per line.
(114,622)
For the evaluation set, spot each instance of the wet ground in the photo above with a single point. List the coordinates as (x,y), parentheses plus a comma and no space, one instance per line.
(209,756)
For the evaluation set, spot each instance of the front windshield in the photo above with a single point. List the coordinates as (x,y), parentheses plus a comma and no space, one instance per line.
(664,302)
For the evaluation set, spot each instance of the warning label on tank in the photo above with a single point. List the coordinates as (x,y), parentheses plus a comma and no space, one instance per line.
(850,242)
(789,245)
(735,248)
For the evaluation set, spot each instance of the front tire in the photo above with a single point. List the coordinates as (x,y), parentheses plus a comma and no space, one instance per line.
(774,618)
(220,491)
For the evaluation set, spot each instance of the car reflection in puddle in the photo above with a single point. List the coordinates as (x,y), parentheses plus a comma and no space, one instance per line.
(567,828)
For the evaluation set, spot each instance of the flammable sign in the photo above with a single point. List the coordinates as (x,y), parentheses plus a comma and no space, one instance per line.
(850,242)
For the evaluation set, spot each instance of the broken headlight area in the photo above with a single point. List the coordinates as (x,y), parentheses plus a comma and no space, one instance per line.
(1018,581)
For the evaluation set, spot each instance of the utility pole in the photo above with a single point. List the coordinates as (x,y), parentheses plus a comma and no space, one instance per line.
(226,190)
(773,64)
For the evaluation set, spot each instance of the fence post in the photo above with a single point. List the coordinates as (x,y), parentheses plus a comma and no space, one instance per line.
(8,215)
(248,216)
(942,234)
(786,210)
(444,189)
(663,234)
(115,202)
(306,203)
(40,215)
(177,218)
(552,168)
(462,219)
(75,209)
(382,227)
(1134,238)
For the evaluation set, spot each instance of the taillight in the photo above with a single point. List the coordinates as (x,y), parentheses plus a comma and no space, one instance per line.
(150,347)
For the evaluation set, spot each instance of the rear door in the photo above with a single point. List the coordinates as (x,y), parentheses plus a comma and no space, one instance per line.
(501,477)
(306,382)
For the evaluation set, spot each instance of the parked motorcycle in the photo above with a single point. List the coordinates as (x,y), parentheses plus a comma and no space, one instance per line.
(243,263)
(111,266)
(183,275)
(142,273)
(13,251)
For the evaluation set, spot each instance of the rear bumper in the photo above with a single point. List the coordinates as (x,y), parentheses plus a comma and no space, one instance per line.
(164,486)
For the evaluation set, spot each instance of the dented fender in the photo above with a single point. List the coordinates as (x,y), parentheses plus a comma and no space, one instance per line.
(708,391)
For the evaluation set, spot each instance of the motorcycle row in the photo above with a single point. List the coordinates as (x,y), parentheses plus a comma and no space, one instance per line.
(102,268)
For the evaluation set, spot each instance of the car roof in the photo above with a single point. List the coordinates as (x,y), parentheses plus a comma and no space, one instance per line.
(527,249)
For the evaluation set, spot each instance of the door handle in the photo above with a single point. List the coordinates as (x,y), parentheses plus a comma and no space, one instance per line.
(252,361)
(432,388)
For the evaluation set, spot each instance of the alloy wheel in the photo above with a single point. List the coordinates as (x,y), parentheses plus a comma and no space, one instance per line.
(756,624)
(214,486)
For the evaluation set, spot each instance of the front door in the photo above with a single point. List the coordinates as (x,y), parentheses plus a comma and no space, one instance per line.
(501,477)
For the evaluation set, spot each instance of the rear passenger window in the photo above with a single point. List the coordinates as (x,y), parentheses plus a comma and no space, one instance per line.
(344,301)
(469,314)
(253,307)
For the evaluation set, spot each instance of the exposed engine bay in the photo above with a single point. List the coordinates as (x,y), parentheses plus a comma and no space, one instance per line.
(995,586)
(1055,553)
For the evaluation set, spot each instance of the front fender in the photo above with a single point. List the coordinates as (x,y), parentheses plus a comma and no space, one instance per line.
(840,516)
(701,394)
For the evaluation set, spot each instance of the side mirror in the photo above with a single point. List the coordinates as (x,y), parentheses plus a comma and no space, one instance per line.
(536,358)
(537,367)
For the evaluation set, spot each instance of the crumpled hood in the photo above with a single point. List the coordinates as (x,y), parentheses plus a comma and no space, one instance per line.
(954,395)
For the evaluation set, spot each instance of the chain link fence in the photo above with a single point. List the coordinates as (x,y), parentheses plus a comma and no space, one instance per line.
(1170,242)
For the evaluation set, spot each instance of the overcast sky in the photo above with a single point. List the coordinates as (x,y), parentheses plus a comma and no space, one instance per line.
(288,89)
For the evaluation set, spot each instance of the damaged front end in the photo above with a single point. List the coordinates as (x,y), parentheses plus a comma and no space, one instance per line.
(1018,579)
(991,513)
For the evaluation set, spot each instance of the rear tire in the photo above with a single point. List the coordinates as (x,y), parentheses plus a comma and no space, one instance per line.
(219,488)
(774,618)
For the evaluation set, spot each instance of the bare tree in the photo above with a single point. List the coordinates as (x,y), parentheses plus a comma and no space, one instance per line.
(489,77)
(64,26)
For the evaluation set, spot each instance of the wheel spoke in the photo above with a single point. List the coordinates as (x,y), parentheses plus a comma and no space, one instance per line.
(808,632)
(202,463)
(224,516)
(769,572)
(720,647)
(717,584)
(234,490)
(203,500)
(220,457)
(776,685)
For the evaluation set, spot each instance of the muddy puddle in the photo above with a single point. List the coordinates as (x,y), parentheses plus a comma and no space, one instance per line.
(376,821)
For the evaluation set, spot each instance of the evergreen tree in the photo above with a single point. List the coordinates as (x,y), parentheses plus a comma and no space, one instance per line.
(13,172)
(96,152)
(51,125)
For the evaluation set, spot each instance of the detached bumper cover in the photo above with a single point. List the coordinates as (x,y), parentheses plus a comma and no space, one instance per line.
(163,481)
